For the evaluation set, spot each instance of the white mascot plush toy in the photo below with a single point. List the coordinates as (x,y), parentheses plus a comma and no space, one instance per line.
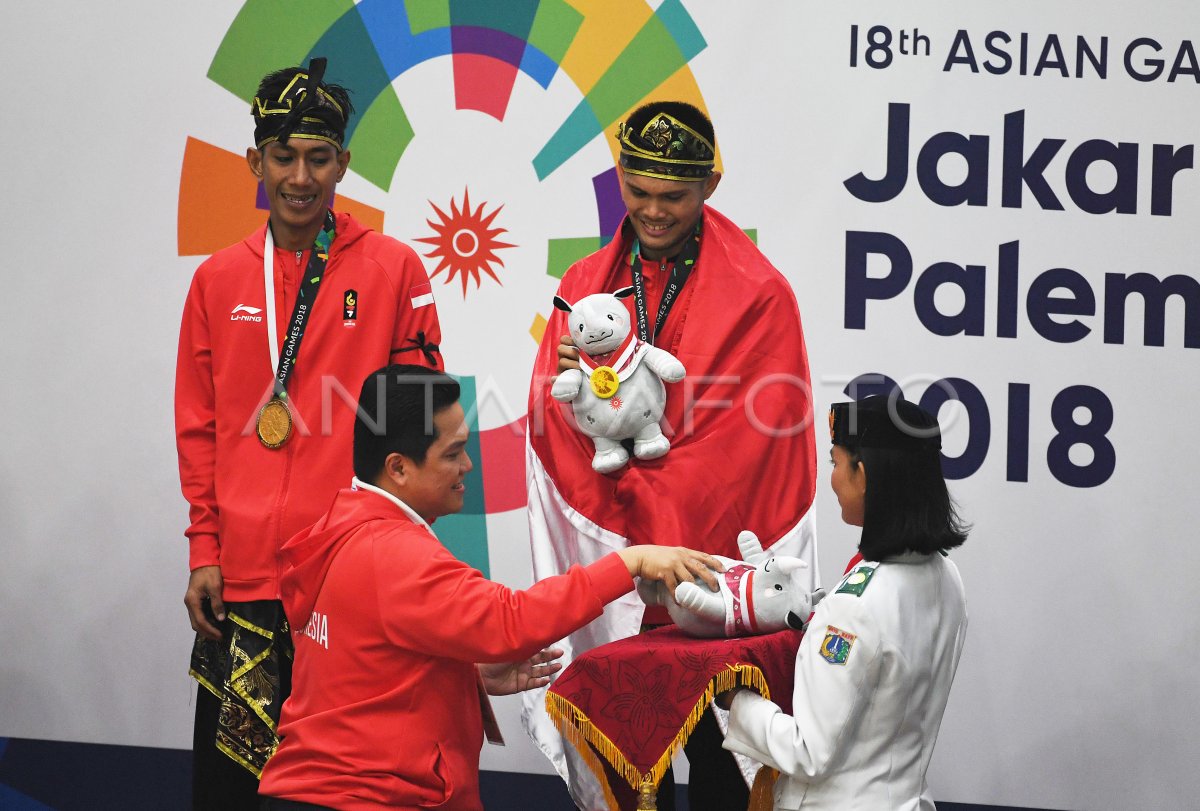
(756,595)
(624,394)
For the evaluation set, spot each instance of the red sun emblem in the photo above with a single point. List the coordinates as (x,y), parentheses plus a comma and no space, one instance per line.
(464,243)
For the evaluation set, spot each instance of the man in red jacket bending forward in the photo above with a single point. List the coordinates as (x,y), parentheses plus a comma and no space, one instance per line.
(388,704)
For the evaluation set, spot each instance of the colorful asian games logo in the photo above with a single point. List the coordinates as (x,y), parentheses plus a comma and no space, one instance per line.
(508,64)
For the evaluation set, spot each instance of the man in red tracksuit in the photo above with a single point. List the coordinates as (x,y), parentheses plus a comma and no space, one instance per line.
(263,428)
(387,706)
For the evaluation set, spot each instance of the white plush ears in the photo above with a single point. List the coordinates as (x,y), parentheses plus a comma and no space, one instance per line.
(561,303)
(787,565)
(624,292)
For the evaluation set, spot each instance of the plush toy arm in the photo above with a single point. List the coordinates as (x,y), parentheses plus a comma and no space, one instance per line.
(802,608)
(816,597)
(566,387)
(664,364)
(701,601)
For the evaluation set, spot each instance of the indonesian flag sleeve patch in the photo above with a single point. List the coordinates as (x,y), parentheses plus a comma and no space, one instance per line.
(421,295)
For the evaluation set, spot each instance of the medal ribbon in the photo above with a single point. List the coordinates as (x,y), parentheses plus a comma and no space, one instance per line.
(685,263)
(628,351)
(284,363)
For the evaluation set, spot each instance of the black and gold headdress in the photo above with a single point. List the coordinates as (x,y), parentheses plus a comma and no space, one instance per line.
(666,148)
(298,106)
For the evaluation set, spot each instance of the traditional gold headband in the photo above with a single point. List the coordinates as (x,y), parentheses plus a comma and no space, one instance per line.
(666,148)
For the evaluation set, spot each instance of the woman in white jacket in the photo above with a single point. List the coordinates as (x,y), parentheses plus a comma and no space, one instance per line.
(875,667)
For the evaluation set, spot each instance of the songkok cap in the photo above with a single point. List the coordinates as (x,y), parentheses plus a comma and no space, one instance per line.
(885,422)
(666,148)
(296,104)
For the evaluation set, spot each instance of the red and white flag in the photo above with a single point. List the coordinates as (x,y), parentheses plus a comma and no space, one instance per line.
(421,295)
(742,445)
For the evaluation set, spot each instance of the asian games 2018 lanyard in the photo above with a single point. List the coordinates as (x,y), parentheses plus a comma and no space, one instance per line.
(685,263)
(274,424)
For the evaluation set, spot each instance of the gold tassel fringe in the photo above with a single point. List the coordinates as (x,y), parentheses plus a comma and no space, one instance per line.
(577,728)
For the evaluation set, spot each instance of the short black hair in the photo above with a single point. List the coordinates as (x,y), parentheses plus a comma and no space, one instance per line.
(689,114)
(395,415)
(907,507)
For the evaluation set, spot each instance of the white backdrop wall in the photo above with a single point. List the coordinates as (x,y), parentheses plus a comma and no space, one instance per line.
(1073,689)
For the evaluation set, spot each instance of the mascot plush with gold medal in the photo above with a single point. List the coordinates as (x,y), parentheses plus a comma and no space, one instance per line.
(617,393)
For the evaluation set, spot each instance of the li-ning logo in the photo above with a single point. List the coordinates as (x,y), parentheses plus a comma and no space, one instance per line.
(349,308)
(244,312)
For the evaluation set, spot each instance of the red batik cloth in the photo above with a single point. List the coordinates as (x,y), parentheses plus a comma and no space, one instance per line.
(634,702)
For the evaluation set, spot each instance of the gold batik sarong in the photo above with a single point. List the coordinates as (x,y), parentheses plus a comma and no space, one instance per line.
(249,670)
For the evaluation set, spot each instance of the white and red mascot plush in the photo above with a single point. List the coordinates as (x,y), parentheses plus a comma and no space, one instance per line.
(617,393)
(756,595)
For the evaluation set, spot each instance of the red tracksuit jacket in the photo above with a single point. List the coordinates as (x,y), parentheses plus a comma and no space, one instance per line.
(384,711)
(373,306)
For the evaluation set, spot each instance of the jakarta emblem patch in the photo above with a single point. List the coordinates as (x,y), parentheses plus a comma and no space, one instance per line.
(856,582)
(835,649)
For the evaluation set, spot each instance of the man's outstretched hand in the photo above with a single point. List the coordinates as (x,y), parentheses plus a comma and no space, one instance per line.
(671,564)
(506,678)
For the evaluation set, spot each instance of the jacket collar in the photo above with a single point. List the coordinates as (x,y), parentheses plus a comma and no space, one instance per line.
(358,484)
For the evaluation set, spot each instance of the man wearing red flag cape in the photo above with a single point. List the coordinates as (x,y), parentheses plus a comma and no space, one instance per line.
(742,454)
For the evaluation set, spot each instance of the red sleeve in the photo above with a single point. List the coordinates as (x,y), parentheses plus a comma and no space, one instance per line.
(430,601)
(417,337)
(195,428)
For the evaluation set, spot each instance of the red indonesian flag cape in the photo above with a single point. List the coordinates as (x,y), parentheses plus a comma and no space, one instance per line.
(741,428)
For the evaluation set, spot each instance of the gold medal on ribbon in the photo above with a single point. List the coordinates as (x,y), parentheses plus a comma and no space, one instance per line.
(274,423)
(604,382)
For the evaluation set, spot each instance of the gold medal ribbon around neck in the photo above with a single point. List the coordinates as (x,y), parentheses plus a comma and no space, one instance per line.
(274,423)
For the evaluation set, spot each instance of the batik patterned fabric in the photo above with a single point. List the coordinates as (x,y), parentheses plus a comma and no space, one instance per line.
(249,670)
(635,702)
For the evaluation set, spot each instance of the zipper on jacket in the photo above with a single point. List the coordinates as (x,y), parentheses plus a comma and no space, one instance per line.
(281,501)
(281,504)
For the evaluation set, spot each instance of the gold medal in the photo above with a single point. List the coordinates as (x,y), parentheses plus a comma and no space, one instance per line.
(274,423)
(604,382)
